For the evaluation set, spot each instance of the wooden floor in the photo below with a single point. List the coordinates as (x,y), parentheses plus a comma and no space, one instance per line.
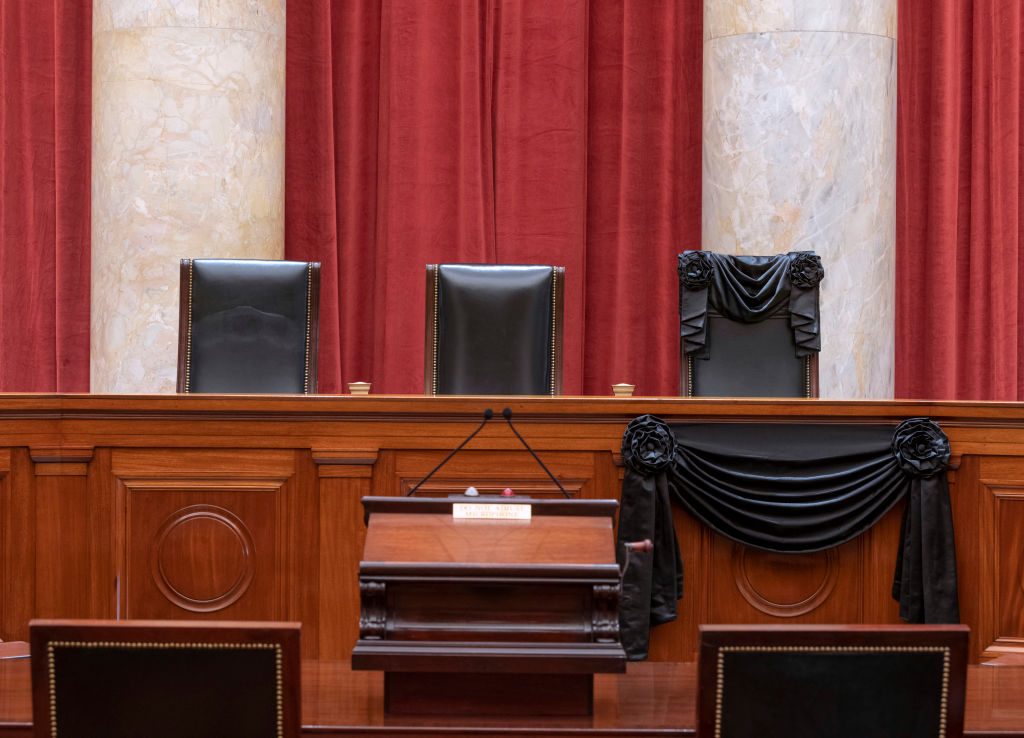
(651,699)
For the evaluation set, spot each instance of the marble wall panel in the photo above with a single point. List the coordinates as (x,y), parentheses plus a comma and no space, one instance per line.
(188,161)
(799,153)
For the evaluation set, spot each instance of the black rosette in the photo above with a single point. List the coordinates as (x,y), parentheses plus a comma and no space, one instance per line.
(696,270)
(920,447)
(648,445)
(805,271)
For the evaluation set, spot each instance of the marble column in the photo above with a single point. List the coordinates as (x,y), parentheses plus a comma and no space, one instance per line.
(800,154)
(187,161)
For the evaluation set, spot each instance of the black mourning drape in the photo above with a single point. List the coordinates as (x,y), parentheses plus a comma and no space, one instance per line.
(787,488)
(749,289)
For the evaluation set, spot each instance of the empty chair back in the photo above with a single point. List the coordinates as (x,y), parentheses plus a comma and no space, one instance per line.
(248,326)
(162,679)
(840,681)
(494,329)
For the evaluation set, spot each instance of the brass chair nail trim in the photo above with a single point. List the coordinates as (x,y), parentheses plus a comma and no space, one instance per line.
(720,682)
(134,645)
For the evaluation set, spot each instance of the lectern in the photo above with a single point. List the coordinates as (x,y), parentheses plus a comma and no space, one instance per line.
(489,606)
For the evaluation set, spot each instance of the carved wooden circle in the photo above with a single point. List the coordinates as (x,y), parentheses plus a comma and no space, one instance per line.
(784,585)
(202,558)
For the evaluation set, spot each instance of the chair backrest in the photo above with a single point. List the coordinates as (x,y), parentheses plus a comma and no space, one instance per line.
(745,318)
(248,326)
(841,681)
(750,360)
(164,679)
(494,329)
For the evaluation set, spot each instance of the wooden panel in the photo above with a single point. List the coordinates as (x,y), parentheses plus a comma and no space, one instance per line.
(493,471)
(542,540)
(501,612)
(302,550)
(204,534)
(342,535)
(752,586)
(198,549)
(968,501)
(1010,564)
(17,529)
(6,547)
(293,470)
(879,547)
(995,555)
(64,547)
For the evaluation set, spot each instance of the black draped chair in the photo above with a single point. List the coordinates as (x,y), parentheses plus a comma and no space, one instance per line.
(749,325)
(494,329)
(164,679)
(248,326)
(836,681)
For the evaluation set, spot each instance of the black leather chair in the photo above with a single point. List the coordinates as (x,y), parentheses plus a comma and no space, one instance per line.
(749,325)
(837,681)
(494,329)
(248,326)
(160,679)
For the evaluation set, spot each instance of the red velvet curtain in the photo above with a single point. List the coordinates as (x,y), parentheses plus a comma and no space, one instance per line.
(959,261)
(502,131)
(45,124)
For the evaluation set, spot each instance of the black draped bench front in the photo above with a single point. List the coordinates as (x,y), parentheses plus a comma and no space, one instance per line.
(787,488)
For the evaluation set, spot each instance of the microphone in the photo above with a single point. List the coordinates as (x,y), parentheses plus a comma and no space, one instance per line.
(507,414)
(488,414)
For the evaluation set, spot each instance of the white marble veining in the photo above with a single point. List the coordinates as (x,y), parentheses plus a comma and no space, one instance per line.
(735,17)
(188,161)
(799,153)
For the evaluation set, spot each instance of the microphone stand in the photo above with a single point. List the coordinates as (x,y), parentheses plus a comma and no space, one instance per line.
(488,414)
(507,414)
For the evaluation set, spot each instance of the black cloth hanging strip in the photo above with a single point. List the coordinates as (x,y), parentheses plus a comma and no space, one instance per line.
(788,488)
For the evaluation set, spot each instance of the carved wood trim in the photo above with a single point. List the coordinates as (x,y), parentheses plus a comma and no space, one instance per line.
(372,610)
(992,641)
(761,603)
(605,619)
(173,591)
(64,461)
(396,408)
(345,463)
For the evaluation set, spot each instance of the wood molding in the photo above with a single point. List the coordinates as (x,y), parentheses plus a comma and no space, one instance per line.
(61,461)
(345,463)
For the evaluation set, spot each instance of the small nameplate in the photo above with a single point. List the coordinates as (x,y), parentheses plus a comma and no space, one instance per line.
(490,511)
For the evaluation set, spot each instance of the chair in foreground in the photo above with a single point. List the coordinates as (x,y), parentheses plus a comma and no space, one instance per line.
(832,680)
(164,679)
(248,326)
(749,325)
(494,329)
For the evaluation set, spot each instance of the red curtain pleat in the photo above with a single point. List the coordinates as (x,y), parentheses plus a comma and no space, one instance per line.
(528,131)
(959,323)
(644,188)
(45,134)
(521,131)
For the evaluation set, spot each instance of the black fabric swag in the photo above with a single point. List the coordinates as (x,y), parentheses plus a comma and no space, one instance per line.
(787,488)
(749,289)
